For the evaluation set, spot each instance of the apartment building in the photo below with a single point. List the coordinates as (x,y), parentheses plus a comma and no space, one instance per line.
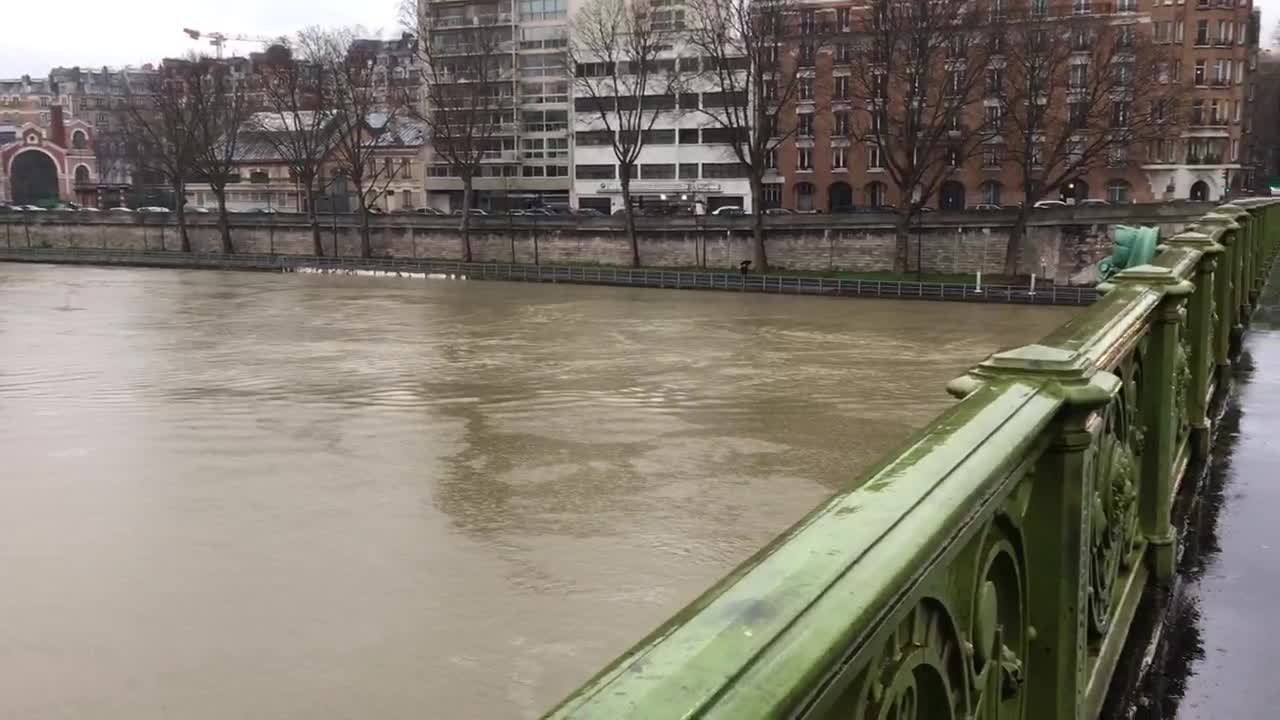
(528,163)
(1212,50)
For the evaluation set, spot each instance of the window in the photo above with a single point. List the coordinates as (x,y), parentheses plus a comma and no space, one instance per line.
(873,158)
(995,80)
(808,22)
(804,125)
(771,159)
(1118,192)
(1224,33)
(772,195)
(991,156)
(1079,75)
(880,121)
(995,114)
(542,9)
(841,124)
(1117,156)
(840,88)
(839,158)
(1240,35)
(953,157)
(594,138)
(876,194)
(688,136)
(1162,31)
(1235,111)
(659,137)
(1177,31)
(804,159)
(1120,114)
(688,171)
(1200,76)
(805,54)
(1125,36)
(650,171)
(842,18)
(596,172)
(1202,32)
(1197,112)
(723,170)
(990,192)
(806,88)
(1037,154)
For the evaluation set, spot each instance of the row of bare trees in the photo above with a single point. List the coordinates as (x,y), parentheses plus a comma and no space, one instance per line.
(1054,92)
(318,102)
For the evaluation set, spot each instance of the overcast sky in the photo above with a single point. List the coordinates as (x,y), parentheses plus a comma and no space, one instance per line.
(91,33)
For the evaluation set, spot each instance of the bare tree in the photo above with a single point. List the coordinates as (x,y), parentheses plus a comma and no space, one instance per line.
(1076,92)
(467,95)
(299,122)
(917,67)
(615,53)
(219,109)
(157,137)
(364,120)
(756,58)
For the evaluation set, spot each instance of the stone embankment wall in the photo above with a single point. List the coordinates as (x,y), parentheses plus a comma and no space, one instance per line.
(1061,245)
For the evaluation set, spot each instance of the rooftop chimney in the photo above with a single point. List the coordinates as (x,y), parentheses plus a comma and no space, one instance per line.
(57,128)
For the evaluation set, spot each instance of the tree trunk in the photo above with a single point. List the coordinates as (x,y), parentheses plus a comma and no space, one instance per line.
(465,226)
(224,222)
(1016,234)
(758,257)
(313,219)
(902,242)
(366,247)
(180,200)
(630,215)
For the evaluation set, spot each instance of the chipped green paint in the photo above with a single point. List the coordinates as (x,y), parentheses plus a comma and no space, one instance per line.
(992,567)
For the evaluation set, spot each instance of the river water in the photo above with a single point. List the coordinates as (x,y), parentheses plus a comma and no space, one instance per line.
(259,496)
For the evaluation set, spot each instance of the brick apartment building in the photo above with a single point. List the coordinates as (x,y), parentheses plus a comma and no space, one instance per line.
(1212,50)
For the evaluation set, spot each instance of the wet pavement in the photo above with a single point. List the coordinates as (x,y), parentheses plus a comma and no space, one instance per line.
(1225,657)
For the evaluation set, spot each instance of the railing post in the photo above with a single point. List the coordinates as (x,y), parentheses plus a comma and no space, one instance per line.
(1161,411)
(1226,285)
(1201,328)
(1056,526)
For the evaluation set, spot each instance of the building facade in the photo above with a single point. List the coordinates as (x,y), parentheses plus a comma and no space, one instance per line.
(1212,45)
(529,161)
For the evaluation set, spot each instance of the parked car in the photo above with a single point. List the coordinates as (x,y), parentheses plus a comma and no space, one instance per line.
(121,209)
(727,210)
(153,210)
(198,210)
(475,212)
(429,211)
(778,211)
(540,212)
(89,210)
(985,207)
(266,211)
(588,212)
(31,208)
(1093,202)
(1047,204)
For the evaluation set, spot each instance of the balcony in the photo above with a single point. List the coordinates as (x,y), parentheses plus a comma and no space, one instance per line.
(465,21)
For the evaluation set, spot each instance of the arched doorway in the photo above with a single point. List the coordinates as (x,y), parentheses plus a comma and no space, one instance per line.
(840,197)
(1073,191)
(34,178)
(804,196)
(1200,191)
(951,196)
(82,175)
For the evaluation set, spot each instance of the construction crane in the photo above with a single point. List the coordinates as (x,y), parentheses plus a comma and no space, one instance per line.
(217,39)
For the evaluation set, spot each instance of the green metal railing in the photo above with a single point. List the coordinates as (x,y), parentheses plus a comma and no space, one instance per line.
(993,567)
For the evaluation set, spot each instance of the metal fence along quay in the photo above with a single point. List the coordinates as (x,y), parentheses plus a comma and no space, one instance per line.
(586,275)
